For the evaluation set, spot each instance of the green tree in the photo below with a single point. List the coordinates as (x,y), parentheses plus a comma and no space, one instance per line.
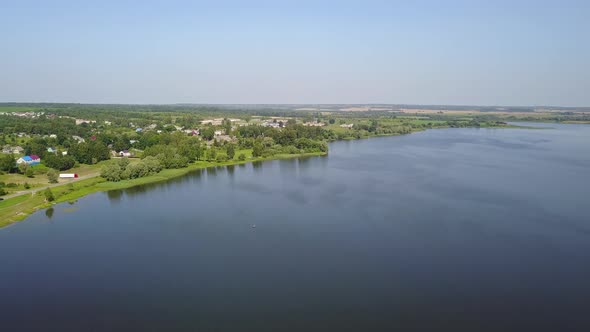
(153,164)
(123,162)
(7,163)
(61,163)
(22,168)
(49,195)
(52,176)
(257,150)
(111,172)
(242,157)
(29,172)
(231,151)
(208,133)
(226,123)
(212,153)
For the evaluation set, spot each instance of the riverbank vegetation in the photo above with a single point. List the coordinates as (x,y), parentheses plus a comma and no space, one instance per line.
(115,146)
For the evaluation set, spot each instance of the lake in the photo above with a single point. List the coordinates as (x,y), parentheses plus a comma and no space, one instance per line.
(485,229)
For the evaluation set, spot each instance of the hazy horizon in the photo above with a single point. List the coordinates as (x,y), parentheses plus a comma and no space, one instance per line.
(456,53)
(296,104)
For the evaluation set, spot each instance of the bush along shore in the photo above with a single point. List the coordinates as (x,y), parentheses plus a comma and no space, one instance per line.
(19,207)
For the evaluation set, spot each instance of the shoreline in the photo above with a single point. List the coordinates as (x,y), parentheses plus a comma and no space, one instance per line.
(10,212)
(72,191)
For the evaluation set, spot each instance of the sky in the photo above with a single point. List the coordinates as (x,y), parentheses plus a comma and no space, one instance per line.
(505,53)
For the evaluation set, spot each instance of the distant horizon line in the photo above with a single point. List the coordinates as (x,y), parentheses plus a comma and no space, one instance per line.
(297,104)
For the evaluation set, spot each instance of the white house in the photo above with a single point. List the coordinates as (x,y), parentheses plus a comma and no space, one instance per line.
(29,160)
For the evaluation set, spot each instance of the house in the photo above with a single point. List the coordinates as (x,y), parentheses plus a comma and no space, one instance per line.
(51,150)
(219,132)
(12,150)
(78,138)
(64,153)
(138,130)
(132,141)
(81,121)
(35,159)
(349,126)
(213,122)
(7,149)
(192,132)
(225,138)
(29,160)
(24,160)
(125,153)
(314,124)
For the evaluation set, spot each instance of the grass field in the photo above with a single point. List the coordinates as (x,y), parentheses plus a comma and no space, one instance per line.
(40,177)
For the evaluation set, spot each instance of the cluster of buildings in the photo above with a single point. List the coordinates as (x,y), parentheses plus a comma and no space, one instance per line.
(78,139)
(7,149)
(314,124)
(54,151)
(272,124)
(31,115)
(218,121)
(81,121)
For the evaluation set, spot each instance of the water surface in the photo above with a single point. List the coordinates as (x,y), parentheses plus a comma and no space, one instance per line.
(463,228)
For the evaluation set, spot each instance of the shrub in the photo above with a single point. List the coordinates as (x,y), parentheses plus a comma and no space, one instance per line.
(242,157)
(29,173)
(153,164)
(52,176)
(49,195)
(111,172)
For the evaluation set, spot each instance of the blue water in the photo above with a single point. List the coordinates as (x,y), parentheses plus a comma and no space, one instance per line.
(457,229)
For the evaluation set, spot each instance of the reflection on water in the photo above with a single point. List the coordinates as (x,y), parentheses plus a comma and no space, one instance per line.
(230,169)
(49,212)
(257,166)
(115,195)
(456,228)
(211,171)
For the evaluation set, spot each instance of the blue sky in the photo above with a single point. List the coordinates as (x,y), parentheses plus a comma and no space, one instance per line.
(419,52)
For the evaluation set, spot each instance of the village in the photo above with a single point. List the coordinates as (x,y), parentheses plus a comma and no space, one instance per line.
(80,146)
